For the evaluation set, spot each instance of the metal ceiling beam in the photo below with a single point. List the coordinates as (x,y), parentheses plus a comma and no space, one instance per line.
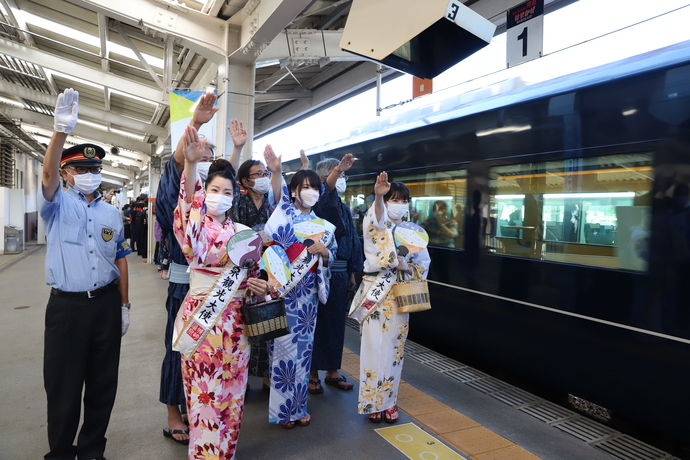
(87,111)
(62,65)
(306,45)
(133,47)
(357,78)
(261,25)
(284,96)
(193,29)
(43,121)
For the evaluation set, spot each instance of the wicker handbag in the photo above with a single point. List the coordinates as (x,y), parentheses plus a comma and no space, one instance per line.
(265,320)
(412,296)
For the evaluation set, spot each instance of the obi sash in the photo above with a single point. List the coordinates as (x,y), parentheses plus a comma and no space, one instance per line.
(371,294)
(221,285)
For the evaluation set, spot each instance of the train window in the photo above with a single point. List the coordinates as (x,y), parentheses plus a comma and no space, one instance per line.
(588,211)
(436,203)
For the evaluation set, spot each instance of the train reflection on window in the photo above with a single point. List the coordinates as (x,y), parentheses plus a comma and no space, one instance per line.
(437,203)
(588,211)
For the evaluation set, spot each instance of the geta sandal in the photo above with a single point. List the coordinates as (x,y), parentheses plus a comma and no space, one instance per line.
(375,417)
(315,391)
(338,383)
(287,425)
(168,433)
(391,415)
(302,422)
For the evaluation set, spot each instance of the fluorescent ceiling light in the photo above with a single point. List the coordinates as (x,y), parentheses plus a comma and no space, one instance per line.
(127,134)
(84,37)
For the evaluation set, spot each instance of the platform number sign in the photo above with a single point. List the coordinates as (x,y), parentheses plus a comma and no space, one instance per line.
(525,32)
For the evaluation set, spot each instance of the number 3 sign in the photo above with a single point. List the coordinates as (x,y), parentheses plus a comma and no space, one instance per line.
(525,32)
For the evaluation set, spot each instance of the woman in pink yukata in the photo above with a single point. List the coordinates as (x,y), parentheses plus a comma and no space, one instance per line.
(215,373)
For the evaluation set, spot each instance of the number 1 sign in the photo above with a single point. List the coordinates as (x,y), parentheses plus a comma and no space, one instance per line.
(525,32)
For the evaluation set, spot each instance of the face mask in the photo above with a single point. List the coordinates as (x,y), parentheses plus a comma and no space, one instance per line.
(86,183)
(309,197)
(217,204)
(261,185)
(397,211)
(202,169)
(340,185)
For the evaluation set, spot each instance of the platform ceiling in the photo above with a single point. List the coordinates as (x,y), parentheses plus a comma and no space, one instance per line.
(98,47)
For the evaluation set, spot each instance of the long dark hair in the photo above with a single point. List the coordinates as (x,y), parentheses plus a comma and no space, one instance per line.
(298,178)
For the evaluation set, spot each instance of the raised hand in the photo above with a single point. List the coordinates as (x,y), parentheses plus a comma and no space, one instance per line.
(193,147)
(237,132)
(382,186)
(346,162)
(273,161)
(66,111)
(204,110)
(303,159)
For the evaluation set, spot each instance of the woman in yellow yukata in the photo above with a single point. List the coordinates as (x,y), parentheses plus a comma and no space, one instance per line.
(383,329)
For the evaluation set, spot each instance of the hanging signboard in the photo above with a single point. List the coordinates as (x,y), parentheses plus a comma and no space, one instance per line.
(525,32)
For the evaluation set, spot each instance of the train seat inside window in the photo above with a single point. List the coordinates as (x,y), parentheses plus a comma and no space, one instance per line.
(587,211)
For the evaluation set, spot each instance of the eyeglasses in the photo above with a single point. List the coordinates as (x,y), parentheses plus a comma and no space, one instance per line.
(344,176)
(86,169)
(261,174)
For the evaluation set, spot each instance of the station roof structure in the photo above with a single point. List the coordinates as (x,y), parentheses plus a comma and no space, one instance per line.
(125,57)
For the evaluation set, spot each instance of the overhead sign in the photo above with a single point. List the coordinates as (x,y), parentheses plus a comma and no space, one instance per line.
(525,32)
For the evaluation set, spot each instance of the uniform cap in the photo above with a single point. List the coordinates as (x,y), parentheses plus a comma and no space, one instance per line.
(82,155)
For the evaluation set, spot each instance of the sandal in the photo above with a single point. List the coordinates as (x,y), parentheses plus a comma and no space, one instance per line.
(391,415)
(287,425)
(340,383)
(375,417)
(316,383)
(168,433)
(302,422)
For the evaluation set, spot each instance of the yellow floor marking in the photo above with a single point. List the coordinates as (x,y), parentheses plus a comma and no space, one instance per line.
(417,444)
(460,432)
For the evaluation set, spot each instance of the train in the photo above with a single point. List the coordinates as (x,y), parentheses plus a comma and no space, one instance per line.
(565,266)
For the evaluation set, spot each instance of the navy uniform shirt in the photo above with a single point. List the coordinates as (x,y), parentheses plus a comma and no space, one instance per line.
(84,240)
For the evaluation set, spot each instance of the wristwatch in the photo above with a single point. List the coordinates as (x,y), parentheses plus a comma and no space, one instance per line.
(127,305)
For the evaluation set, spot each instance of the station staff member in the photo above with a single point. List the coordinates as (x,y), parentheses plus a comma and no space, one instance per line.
(88,309)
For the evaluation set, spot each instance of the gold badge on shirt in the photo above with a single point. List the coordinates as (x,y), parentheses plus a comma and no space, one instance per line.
(107,234)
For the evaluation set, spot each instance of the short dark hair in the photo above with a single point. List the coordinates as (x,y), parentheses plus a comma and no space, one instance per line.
(398,191)
(298,178)
(243,172)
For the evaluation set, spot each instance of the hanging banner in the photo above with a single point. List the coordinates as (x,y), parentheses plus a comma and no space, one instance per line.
(182,104)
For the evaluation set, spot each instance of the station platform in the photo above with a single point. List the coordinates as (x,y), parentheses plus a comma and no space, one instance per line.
(449,410)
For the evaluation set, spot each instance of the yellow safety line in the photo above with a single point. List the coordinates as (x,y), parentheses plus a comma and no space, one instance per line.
(460,432)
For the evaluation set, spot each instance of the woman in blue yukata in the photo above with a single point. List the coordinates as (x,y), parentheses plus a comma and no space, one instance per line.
(310,245)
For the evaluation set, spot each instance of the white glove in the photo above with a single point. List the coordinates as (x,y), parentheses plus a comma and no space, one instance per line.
(125,320)
(66,109)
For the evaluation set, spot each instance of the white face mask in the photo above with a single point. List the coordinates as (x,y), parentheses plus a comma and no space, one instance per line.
(340,185)
(309,197)
(261,185)
(86,183)
(397,211)
(217,204)
(202,169)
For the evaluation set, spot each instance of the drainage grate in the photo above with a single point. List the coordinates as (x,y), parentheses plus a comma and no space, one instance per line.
(514,397)
(466,374)
(627,448)
(427,356)
(547,412)
(444,365)
(585,429)
(489,385)
(411,347)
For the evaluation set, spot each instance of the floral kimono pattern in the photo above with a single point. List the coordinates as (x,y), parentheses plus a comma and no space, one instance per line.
(383,329)
(215,376)
(291,354)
